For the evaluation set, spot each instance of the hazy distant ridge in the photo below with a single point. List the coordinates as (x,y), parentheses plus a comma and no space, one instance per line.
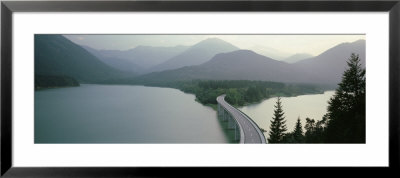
(297,57)
(138,59)
(331,64)
(55,55)
(196,54)
(248,65)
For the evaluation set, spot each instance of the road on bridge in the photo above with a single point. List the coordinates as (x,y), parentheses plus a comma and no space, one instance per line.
(251,132)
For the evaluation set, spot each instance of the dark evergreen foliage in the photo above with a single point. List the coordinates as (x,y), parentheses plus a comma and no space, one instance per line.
(296,136)
(42,81)
(238,92)
(346,110)
(345,120)
(315,131)
(298,132)
(278,126)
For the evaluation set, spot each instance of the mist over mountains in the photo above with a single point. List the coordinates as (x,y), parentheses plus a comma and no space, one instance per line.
(196,54)
(236,65)
(138,59)
(297,57)
(326,68)
(270,52)
(212,59)
(55,55)
(329,65)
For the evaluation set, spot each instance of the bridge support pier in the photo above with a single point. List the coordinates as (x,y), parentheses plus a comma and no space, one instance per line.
(237,132)
(230,122)
(226,117)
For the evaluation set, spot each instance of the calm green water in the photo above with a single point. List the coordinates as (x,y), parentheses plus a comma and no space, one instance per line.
(312,106)
(123,114)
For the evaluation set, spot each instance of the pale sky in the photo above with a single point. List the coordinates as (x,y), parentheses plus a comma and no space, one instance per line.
(311,44)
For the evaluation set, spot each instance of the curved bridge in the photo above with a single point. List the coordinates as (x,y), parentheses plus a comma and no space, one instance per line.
(245,128)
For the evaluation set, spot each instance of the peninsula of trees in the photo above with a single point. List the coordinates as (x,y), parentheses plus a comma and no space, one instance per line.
(238,92)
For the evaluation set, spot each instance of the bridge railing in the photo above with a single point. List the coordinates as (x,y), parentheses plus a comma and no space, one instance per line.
(261,134)
(263,140)
(237,125)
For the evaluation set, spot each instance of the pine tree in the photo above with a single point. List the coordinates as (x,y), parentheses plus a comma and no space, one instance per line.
(310,131)
(298,132)
(346,110)
(278,126)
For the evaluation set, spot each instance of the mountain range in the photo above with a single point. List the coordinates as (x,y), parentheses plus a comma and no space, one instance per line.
(297,57)
(55,55)
(138,59)
(330,65)
(212,58)
(325,68)
(236,65)
(196,54)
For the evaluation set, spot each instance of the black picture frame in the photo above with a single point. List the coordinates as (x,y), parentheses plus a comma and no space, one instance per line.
(8,7)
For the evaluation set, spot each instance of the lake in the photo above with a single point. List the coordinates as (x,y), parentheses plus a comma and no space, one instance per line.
(139,114)
(123,114)
(313,106)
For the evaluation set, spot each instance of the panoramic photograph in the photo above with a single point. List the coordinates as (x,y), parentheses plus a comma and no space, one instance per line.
(199,89)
